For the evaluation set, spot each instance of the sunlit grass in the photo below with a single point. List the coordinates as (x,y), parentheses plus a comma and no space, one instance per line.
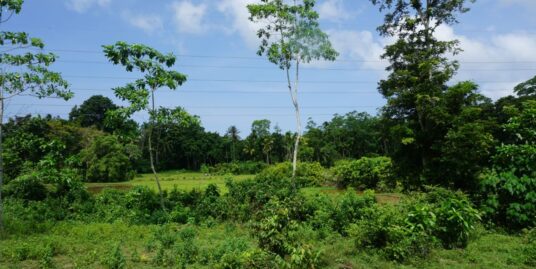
(169,179)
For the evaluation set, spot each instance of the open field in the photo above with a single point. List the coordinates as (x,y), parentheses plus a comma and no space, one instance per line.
(187,180)
(169,179)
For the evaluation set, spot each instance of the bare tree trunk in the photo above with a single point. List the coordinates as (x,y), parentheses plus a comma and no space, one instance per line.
(294,97)
(151,152)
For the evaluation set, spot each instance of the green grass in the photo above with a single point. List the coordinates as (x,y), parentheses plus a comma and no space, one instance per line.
(196,180)
(183,180)
(91,245)
(79,245)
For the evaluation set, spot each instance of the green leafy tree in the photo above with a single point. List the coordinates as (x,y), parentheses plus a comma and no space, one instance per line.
(517,154)
(92,112)
(527,88)
(260,132)
(291,36)
(420,70)
(140,94)
(24,73)
(107,160)
(233,135)
(176,134)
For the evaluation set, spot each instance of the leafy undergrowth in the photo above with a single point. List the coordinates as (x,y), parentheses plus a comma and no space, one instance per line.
(118,245)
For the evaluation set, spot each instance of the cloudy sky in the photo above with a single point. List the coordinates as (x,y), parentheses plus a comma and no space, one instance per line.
(230,85)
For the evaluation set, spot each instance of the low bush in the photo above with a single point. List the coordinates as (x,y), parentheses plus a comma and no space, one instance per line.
(276,225)
(416,226)
(350,209)
(365,173)
(246,198)
(235,168)
(307,173)
(455,215)
(144,207)
(114,259)
(385,228)
(508,200)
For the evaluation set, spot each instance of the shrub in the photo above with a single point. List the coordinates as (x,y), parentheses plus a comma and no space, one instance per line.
(210,205)
(455,217)
(417,225)
(509,200)
(385,228)
(114,259)
(180,214)
(350,208)
(307,174)
(275,226)
(47,256)
(235,168)
(260,259)
(26,187)
(144,206)
(110,205)
(365,173)
(322,209)
(304,257)
(246,198)
(186,250)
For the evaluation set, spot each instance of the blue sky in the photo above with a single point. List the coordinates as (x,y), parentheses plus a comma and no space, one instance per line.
(230,85)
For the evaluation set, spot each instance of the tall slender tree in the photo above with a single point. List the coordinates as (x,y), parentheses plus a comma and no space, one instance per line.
(291,36)
(420,69)
(141,93)
(24,73)
(233,135)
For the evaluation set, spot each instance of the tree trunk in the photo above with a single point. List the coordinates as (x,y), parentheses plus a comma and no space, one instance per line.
(151,153)
(294,97)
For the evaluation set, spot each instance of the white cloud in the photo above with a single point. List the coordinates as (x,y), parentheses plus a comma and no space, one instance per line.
(497,63)
(188,17)
(146,22)
(83,5)
(526,3)
(360,46)
(237,11)
(501,56)
(333,10)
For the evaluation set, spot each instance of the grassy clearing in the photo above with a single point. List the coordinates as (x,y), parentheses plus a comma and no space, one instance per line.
(181,179)
(196,180)
(78,245)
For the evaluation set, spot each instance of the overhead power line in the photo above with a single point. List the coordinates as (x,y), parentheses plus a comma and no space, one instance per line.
(202,115)
(239,57)
(261,81)
(226,91)
(211,107)
(349,69)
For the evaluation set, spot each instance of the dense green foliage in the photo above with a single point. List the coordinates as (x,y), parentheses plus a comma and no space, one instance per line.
(365,173)
(106,159)
(509,200)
